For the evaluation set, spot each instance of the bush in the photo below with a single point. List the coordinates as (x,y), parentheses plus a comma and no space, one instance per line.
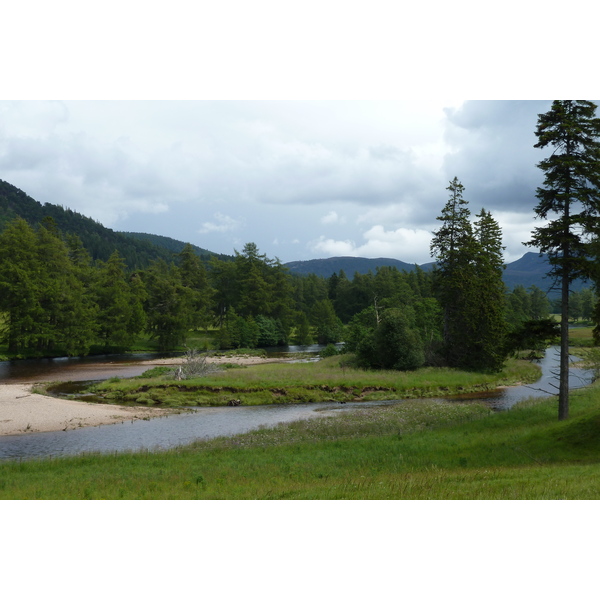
(393,344)
(329,350)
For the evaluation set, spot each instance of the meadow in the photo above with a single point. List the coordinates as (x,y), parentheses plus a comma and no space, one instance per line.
(416,449)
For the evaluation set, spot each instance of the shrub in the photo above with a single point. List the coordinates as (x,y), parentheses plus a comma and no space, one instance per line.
(329,350)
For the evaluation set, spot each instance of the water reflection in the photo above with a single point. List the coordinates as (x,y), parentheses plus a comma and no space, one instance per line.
(75,368)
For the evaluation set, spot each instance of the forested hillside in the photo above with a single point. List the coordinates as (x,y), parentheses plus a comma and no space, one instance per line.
(70,286)
(98,240)
(174,246)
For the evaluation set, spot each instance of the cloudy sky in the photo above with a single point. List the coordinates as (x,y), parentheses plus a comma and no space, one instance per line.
(326,131)
(301,179)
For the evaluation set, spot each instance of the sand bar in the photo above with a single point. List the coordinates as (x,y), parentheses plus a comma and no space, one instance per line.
(23,411)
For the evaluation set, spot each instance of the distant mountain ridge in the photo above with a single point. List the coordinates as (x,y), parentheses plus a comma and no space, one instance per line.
(140,249)
(530,269)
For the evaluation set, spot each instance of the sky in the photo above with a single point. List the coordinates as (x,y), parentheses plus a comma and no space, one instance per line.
(301,179)
(310,129)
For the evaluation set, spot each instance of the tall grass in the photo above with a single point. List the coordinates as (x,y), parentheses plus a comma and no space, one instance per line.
(420,449)
(326,380)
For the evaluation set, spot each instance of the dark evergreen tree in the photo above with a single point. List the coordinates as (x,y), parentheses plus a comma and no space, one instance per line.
(455,249)
(195,278)
(67,323)
(394,343)
(120,304)
(168,305)
(19,286)
(468,281)
(328,326)
(488,345)
(539,305)
(571,197)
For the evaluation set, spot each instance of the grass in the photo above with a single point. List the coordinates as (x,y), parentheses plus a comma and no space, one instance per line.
(416,449)
(581,337)
(419,449)
(326,380)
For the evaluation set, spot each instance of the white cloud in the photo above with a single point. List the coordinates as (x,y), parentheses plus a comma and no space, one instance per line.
(408,245)
(377,171)
(332,217)
(331,247)
(221,224)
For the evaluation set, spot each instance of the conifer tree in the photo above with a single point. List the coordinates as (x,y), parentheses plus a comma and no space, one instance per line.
(454,249)
(468,280)
(194,277)
(67,322)
(19,285)
(119,300)
(570,197)
(490,304)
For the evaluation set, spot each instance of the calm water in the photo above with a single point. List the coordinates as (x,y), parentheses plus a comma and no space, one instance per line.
(204,423)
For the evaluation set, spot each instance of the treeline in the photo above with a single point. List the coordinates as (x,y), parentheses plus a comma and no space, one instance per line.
(55,298)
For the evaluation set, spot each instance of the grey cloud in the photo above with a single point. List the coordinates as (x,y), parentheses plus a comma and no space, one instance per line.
(495,158)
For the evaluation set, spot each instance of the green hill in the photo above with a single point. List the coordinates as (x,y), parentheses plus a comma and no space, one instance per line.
(174,246)
(138,250)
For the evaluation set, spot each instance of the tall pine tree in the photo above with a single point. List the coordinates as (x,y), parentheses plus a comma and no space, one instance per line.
(570,197)
(454,249)
(468,284)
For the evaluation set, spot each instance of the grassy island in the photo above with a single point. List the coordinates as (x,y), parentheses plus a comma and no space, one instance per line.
(330,379)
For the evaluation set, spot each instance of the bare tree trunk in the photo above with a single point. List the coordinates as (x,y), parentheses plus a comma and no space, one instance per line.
(563,386)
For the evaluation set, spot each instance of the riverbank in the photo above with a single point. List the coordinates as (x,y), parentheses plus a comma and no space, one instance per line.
(23,411)
(418,449)
(231,359)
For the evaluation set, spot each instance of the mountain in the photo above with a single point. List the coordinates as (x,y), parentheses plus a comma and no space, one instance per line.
(528,270)
(531,269)
(138,250)
(326,267)
(174,246)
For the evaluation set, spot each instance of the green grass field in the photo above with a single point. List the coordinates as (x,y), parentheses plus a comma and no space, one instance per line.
(419,449)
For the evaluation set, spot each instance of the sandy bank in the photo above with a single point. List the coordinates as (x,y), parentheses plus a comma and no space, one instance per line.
(22,411)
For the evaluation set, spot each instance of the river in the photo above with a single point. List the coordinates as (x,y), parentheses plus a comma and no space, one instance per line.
(205,422)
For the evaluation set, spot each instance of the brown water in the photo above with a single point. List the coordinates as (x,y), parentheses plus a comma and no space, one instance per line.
(74,369)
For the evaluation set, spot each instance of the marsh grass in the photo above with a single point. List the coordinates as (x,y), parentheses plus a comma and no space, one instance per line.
(324,381)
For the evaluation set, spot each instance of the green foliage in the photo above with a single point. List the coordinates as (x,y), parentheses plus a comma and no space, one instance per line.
(412,450)
(169,305)
(329,350)
(328,326)
(99,241)
(468,284)
(535,335)
(570,203)
(394,343)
